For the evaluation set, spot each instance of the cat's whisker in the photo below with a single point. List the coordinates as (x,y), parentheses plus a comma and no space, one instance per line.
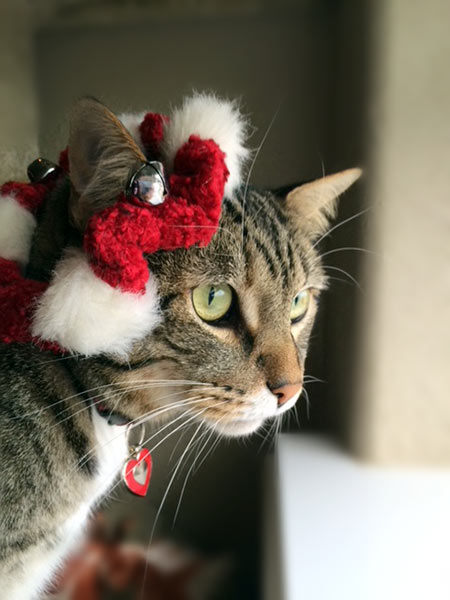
(195,416)
(287,416)
(47,406)
(65,399)
(191,451)
(154,382)
(355,281)
(190,471)
(214,444)
(143,419)
(203,441)
(194,447)
(142,387)
(177,469)
(250,170)
(60,358)
(349,249)
(308,403)
(161,506)
(297,419)
(269,433)
(174,449)
(311,378)
(268,430)
(259,432)
(209,429)
(340,224)
(344,281)
(213,447)
(272,430)
(92,401)
(322,162)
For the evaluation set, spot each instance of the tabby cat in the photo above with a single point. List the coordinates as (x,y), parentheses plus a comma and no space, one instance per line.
(228,353)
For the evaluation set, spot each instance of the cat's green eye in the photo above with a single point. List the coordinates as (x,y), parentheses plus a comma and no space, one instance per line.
(211,301)
(300,305)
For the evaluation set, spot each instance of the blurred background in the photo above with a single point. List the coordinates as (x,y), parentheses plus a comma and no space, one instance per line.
(328,84)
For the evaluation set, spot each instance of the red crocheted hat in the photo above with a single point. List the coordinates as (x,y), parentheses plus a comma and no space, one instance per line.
(102,298)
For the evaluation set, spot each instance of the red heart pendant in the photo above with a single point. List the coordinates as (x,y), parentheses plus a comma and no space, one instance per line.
(137,472)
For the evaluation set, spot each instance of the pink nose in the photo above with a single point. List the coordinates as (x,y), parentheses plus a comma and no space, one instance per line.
(286,392)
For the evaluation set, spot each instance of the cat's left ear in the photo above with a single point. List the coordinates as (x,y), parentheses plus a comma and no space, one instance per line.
(312,205)
(102,155)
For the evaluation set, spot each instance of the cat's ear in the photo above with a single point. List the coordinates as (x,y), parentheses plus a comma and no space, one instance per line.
(313,204)
(102,154)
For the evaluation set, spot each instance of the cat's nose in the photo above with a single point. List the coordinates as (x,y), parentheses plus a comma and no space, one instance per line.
(285,392)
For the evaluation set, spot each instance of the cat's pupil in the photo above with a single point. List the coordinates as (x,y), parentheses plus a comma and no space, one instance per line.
(211,295)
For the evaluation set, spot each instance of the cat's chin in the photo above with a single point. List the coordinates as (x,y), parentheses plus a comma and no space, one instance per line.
(238,428)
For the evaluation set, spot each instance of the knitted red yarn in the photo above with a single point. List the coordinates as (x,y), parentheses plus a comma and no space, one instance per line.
(17,299)
(117,238)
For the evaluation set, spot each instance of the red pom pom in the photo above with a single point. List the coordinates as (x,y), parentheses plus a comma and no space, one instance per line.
(152,132)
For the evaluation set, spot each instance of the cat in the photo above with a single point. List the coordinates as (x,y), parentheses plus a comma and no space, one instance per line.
(228,353)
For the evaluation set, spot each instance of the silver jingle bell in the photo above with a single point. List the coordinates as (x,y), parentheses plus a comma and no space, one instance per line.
(40,169)
(148,183)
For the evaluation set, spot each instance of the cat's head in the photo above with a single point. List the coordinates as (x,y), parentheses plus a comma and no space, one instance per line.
(236,316)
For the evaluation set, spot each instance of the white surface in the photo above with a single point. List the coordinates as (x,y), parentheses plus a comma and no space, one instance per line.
(359,532)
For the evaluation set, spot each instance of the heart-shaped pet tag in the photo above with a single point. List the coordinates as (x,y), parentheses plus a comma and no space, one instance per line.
(137,472)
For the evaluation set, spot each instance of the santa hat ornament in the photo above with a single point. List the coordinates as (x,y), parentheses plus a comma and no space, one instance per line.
(102,298)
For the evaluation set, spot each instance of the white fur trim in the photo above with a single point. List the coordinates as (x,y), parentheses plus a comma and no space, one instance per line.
(210,118)
(132,121)
(84,314)
(17,225)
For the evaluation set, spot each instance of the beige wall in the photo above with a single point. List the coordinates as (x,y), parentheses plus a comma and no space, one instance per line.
(18,140)
(402,409)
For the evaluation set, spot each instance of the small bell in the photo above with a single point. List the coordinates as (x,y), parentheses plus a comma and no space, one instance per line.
(148,183)
(40,169)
